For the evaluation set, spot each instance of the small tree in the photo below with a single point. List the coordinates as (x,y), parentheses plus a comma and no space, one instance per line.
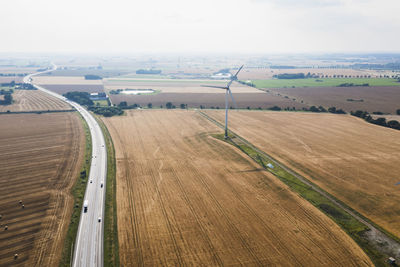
(398,112)
(168,105)
(183,106)
(123,104)
(150,105)
(8,99)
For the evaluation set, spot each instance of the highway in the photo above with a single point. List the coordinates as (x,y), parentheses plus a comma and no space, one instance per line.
(88,250)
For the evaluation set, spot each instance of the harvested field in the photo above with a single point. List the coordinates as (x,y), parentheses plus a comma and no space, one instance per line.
(34,100)
(186,198)
(17,79)
(65,88)
(353,160)
(64,80)
(177,85)
(243,100)
(186,88)
(384,99)
(40,158)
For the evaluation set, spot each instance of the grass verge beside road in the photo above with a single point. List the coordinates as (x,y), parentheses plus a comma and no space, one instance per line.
(78,193)
(111,248)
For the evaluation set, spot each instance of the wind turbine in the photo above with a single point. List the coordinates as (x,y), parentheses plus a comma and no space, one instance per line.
(227,91)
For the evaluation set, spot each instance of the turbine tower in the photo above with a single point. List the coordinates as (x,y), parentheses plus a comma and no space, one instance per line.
(227,91)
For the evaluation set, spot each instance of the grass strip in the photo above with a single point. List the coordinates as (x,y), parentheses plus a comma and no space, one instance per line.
(111,248)
(78,193)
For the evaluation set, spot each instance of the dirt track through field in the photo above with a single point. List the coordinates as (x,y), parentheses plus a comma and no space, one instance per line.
(353,160)
(40,156)
(186,198)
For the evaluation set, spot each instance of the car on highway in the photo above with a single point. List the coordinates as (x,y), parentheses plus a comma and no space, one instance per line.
(101,184)
(99,219)
(85,205)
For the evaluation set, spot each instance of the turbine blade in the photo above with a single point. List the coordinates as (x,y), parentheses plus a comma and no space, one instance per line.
(214,86)
(238,71)
(233,100)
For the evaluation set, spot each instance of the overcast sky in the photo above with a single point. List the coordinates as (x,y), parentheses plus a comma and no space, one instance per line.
(246,26)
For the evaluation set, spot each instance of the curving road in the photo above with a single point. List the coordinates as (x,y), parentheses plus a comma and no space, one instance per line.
(89,240)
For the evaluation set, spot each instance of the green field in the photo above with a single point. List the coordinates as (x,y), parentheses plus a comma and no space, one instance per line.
(100,103)
(323,82)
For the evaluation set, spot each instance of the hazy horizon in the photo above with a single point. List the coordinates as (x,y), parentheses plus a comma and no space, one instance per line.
(176,27)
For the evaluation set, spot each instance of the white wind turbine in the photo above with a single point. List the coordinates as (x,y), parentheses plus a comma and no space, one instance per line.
(227,91)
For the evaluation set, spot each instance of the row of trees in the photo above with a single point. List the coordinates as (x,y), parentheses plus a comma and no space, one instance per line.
(379,121)
(13,74)
(148,71)
(92,77)
(168,105)
(106,111)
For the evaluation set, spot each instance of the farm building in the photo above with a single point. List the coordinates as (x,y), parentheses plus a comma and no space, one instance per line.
(98,96)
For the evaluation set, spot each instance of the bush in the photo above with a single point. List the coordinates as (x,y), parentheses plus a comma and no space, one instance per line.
(82,98)
(92,77)
(393,124)
(123,104)
(107,111)
(275,108)
(398,112)
(290,76)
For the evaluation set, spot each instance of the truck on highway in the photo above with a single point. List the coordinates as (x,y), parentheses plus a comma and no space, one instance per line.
(85,205)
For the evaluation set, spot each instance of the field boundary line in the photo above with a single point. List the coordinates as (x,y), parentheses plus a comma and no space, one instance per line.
(37,111)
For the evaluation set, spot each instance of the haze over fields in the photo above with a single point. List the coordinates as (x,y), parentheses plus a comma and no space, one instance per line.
(116,150)
(249,26)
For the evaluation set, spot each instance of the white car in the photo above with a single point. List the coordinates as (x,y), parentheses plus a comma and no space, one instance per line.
(91,181)
(99,219)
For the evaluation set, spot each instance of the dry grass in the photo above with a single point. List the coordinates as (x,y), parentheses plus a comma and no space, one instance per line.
(355,161)
(40,157)
(185,198)
(34,100)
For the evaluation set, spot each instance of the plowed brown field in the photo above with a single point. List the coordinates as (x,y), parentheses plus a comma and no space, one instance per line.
(40,157)
(355,161)
(34,100)
(186,198)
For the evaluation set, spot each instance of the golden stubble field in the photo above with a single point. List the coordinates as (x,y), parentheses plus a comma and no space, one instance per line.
(186,198)
(355,161)
(34,100)
(40,158)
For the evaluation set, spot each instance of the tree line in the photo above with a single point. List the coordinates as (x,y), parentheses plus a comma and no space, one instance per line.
(378,121)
